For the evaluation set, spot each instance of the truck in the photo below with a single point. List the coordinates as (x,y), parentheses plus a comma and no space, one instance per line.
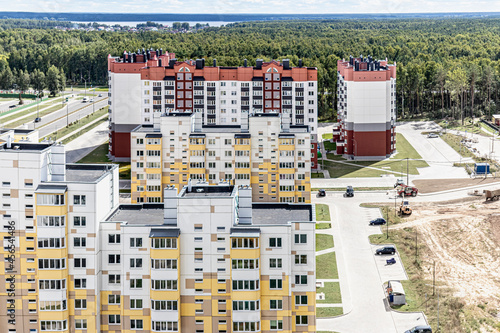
(404,208)
(405,190)
(492,194)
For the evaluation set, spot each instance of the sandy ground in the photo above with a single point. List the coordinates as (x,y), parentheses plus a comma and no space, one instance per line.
(464,239)
(434,185)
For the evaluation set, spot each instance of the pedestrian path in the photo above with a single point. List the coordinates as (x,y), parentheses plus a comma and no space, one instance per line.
(81,128)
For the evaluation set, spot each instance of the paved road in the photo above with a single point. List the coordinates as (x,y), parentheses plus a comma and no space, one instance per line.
(77,149)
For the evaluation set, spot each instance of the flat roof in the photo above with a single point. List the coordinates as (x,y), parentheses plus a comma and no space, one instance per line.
(19,146)
(87,173)
(280,213)
(137,214)
(207,191)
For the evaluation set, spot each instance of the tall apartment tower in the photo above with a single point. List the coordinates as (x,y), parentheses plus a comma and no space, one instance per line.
(141,85)
(50,213)
(366,90)
(266,152)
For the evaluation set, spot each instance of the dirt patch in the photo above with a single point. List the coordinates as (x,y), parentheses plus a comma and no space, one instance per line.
(436,185)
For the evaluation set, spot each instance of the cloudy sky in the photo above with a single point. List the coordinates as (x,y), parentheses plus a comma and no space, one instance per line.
(253,6)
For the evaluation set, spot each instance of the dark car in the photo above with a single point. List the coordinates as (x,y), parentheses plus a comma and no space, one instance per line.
(349,192)
(321,193)
(386,250)
(38,119)
(378,221)
(420,329)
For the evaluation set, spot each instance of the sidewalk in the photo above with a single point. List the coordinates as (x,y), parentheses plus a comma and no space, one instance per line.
(78,149)
(81,128)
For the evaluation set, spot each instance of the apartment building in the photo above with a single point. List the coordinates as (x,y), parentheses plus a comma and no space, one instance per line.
(208,260)
(50,213)
(145,83)
(366,90)
(266,152)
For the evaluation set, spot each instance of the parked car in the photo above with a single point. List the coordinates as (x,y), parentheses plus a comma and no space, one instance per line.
(321,193)
(100,95)
(349,192)
(84,100)
(386,250)
(432,135)
(378,221)
(91,100)
(38,119)
(420,329)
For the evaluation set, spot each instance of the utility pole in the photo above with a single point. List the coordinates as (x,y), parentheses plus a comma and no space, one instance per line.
(387,223)
(416,244)
(407,174)
(67,115)
(434,279)
(438,312)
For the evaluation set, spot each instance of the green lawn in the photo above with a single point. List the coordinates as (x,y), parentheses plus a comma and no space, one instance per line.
(326,266)
(329,312)
(321,226)
(454,142)
(21,114)
(327,136)
(322,212)
(323,242)
(99,155)
(317,175)
(332,293)
(86,129)
(329,145)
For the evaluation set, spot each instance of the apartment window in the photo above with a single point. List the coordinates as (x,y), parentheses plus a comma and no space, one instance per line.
(164,326)
(81,324)
(301,320)
(79,200)
(80,263)
(80,304)
(114,279)
(301,239)
(276,304)
(135,283)
(246,326)
(135,263)
(135,242)
(56,325)
(139,152)
(245,285)
(275,284)
(5,184)
(51,263)
(276,325)
(80,283)
(113,259)
(275,263)
(54,243)
(50,221)
(164,305)
(52,284)
(114,239)
(79,221)
(300,279)
(50,199)
(164,284)
(114,299)
(245,305)
(300,259)
(80,242)
(136,324)
(114,319)
(275,242)
(136,303)
(301,300)
(245,263)
(140,141)
(164,263)
(164,243)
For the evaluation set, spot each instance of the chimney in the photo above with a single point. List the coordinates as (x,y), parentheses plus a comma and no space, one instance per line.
(197,122)
(215,62)
(300,62)
(258,63)
(159,62)
(203,62)
(171,63)
(286,64)
(170,205)
(245,63)
(134,57)
(199,64)
(161,51)
(285,122)
(245,204)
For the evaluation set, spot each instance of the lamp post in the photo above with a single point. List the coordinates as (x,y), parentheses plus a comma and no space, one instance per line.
(93,101)
(81,78)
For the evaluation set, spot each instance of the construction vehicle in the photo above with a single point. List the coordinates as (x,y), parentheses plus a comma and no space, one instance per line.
(404,208)
(405,190)
(492,194)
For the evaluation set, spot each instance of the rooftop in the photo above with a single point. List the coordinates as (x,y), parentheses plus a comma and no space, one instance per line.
(207,191)
(280,213)
(86,173)
(16,146)
(138,214)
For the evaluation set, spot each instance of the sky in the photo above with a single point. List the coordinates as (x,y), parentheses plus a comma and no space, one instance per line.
(253,6)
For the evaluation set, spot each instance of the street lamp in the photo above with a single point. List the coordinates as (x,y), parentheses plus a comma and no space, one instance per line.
(81,78)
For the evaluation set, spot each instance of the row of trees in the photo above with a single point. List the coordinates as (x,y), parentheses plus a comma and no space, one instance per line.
(446,67)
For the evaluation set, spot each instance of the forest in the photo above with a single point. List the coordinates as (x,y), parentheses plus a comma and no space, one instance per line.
(445,67)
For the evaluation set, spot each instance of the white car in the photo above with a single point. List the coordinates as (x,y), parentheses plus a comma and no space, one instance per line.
(432,135)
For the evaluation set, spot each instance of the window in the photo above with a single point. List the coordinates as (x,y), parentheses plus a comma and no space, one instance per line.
(275,263)
(274,242)
(114,239)
(136,303)
(245,263)
(50,199)
(135,283)
(80,324)
(80,262)
(300,239)
(113,299)
(135,242)
(79,221)
(114,259)
(79,200)
(80,303)
(276,304)
(164,243)
(114,279)
(114,319)
(52,284)
(80,242)
(301,320)
(164,284)
(51,263)
(80,283)
(276,325)
(245,285)
(140,141)
(245,305)
(275,284)
(58,325)
(246,326)
(53,243)
(300,259)
(164,305)
(300,279)
(136,324)
(301,300)
(135,263)
(164,326)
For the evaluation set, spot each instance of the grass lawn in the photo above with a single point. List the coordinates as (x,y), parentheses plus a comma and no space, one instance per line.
(317,175)
(454,142)
(321,226)
(329,312)
(330,145)
(332,293)
(323,242)
(326,266)
(21,114)
(99,155)
(327,136)
(322,212)
(86,129)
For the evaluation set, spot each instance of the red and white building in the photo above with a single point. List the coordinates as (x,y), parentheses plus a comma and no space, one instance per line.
(150,82)
(366,90)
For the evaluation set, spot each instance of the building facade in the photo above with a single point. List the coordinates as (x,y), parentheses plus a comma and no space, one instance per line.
(265,151)
(207,260)
(366,91)
(142,84)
